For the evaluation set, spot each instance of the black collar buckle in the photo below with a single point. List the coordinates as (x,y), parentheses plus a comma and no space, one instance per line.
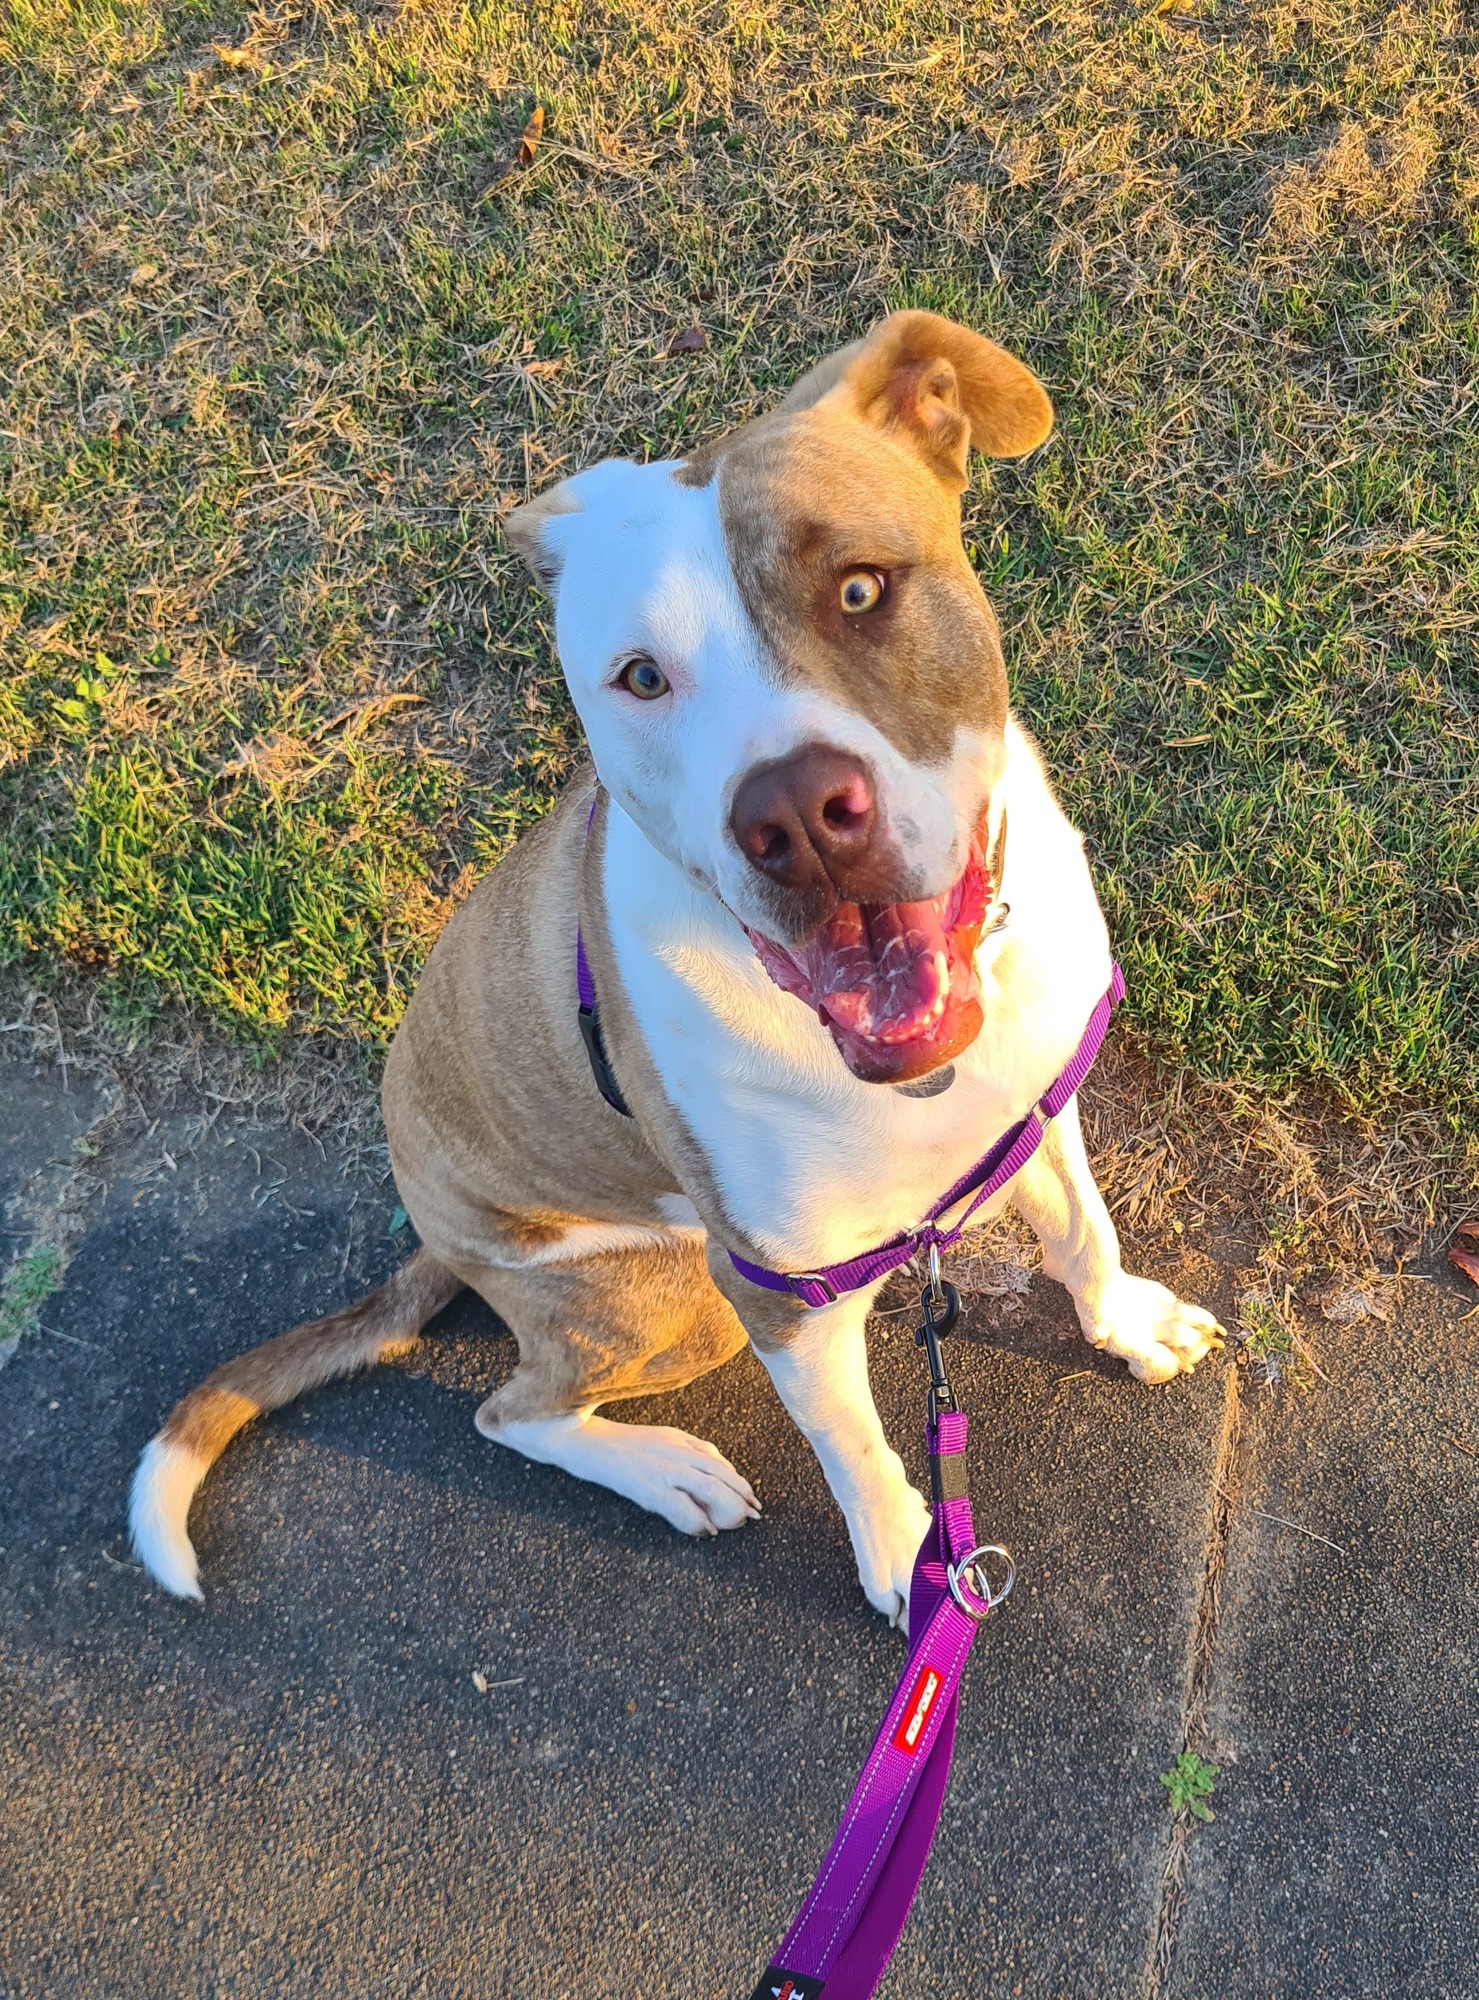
(601,1070)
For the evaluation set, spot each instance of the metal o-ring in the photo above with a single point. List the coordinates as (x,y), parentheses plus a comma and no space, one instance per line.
(977,1604)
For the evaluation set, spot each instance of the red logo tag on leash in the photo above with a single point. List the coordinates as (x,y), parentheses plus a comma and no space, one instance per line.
(917,1710)
(778,1984)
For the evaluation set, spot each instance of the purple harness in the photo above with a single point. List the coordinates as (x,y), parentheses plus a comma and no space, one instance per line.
(853,1914)
(1007,1157)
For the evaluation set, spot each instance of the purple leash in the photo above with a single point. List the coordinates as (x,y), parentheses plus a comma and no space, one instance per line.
(847,1927)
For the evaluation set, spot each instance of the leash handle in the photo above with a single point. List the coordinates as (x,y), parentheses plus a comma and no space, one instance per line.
(854,1913)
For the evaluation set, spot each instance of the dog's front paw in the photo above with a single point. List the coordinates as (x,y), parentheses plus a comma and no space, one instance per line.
(1148,1326)
(886,1539)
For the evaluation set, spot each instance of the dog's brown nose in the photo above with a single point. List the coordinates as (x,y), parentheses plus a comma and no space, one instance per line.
(809,820)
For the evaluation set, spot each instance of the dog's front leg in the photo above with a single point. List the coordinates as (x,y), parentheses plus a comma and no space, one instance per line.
(820,1372)
(1135,1318)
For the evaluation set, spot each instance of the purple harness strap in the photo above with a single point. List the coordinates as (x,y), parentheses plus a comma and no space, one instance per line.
(1008,1156)
(589,1020)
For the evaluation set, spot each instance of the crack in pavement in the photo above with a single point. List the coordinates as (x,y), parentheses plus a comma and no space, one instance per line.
(1201,1652)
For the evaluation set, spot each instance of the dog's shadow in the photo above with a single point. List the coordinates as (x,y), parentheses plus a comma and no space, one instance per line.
(412,1423)
(405,1436)
(1039,1324)
(409,1426)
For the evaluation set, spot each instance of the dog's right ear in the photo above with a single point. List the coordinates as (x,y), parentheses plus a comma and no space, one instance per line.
(532,531)
(937,387)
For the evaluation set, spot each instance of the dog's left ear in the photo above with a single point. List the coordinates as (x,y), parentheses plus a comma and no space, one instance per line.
(939,386)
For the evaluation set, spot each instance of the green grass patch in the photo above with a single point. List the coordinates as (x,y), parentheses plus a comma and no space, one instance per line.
(1265,1334)
(282,337)
(28,1284)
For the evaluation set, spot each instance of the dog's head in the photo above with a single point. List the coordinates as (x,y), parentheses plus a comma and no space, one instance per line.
(791,679)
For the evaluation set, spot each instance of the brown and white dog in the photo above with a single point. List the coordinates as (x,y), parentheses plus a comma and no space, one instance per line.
(792,894)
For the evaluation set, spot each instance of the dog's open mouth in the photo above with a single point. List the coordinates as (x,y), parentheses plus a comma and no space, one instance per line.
(895,982)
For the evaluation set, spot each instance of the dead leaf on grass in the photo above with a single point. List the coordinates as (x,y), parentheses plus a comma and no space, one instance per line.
(530,137)
(1468,1231)
(524,153)
(690,340)
(532,375)
(264,32)
(1467,1262)
(1348,1303)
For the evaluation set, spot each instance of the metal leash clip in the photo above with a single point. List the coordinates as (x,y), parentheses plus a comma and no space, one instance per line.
(940,1304)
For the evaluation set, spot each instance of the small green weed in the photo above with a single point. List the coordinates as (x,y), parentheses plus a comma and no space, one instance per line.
(28,1283)
(1189,1785)
(1266,1335)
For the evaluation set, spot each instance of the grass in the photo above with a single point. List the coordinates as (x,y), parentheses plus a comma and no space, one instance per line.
(282,336)
(1266,1334)
(28,1284)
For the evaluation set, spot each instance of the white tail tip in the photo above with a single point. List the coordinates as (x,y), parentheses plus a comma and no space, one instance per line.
(158,1507)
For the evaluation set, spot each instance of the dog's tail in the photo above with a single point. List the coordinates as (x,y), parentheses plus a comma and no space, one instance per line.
(200,1427)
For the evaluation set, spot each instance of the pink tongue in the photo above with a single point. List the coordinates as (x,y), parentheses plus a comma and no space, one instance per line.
(882,971)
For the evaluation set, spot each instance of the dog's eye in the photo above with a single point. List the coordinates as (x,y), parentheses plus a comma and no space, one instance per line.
(860,590)
(643,678)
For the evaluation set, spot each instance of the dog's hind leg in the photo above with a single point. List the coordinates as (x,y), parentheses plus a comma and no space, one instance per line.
(617,1324)
(200,1427)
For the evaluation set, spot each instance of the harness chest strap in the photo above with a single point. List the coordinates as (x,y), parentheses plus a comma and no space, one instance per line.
(1007,1157)
(590,1030)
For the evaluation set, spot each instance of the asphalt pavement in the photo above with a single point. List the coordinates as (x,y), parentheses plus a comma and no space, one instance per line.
(299,1788)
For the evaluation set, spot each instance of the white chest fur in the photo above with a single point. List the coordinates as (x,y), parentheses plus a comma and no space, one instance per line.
(813,1166)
